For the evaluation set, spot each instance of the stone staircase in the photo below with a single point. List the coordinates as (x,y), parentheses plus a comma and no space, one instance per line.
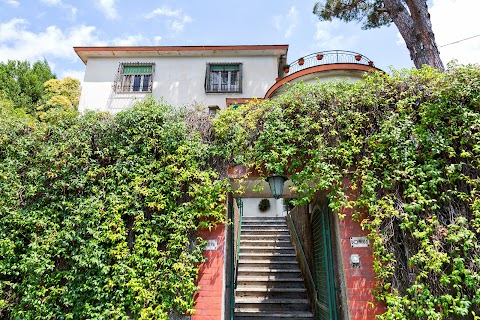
(270,285)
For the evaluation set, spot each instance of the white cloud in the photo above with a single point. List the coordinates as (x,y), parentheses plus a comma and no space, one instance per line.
(108,8)
(17,42)
(58,3)
(157,39)
(179,25)
(176,19)
(52,2)
(287,22)
(13,3)
(454,20)
(163,12)
(77,74)
(132,40)
(329,35)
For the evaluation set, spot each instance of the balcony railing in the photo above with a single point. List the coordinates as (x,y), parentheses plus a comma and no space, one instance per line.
(326,57)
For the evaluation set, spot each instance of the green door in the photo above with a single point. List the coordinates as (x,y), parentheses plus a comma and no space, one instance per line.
(326,306)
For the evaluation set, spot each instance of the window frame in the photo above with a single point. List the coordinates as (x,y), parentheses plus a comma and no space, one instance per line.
(208,77)
(124,81)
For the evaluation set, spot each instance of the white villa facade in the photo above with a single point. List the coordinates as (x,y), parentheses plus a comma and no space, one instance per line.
(116,77)
(217,77)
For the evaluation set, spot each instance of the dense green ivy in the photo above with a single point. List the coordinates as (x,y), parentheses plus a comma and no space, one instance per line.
(99,214)
(409,144)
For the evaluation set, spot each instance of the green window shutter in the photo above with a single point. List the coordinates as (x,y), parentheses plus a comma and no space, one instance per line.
(138,70)
(224,67)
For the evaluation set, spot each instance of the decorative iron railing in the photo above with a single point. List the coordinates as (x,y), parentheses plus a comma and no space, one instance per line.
(326,57)
(236,230)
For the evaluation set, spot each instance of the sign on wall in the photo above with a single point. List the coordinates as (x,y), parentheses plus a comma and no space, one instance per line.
(359,242)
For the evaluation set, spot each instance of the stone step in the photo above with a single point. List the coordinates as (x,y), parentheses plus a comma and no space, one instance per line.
(271,292)
(278,272)
(265,249)
(263,261)
(273,304)
(269,282)
(260,249)
(270,270)
(264,228)
(268,264)
(263,236)
(263,225)
(289,281)
(282,241)
(241,314)
(277,232)
(272,256)
(263,219)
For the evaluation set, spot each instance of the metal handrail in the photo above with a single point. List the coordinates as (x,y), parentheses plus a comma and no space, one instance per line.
(289,214)
(232,267)
(234,253)
(302,251)
(327,57)
(237,255)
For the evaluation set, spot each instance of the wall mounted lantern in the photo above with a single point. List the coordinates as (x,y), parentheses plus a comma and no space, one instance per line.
(275,182)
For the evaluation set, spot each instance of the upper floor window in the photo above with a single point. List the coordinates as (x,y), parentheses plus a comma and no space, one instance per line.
(223,77)
(135,77)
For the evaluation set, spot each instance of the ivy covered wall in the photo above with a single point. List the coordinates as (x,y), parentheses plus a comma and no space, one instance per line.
(99,214)
(409,143)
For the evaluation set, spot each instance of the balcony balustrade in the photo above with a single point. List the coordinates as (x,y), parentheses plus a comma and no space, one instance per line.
(326,57)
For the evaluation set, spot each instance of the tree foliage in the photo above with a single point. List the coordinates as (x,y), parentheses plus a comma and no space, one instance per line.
(61,96)
(409,143)
(411,18)
(23,84)
(99,214)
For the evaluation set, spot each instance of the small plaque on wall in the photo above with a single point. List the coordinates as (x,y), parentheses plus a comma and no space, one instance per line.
(359,242)
(212,245)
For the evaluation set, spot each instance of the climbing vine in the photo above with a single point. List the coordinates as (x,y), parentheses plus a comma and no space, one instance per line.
(99,214)
(409,144)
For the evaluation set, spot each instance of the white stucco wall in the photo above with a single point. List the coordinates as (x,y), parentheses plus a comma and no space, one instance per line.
(250,208)
(179,80)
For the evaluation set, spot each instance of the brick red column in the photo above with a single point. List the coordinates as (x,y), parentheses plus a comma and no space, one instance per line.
(359,281)
(209,299)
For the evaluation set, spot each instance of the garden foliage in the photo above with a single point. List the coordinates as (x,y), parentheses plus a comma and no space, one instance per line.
(409,143)
(23,83)
(99,214)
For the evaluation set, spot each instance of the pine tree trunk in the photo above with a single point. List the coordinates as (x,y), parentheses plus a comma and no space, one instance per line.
(413,23)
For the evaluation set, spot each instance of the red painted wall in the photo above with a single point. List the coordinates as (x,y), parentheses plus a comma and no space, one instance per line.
(209,299)
(359,282)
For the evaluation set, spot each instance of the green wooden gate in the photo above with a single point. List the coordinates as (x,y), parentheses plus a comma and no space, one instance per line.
(324,276)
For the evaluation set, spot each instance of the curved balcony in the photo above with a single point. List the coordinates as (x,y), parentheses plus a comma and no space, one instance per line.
(326,57)
(326,64)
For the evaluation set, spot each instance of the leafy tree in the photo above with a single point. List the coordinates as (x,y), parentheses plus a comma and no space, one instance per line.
(410,16)
(22,83)
(61,96)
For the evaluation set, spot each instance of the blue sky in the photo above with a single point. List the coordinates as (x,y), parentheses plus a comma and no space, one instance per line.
(32,30)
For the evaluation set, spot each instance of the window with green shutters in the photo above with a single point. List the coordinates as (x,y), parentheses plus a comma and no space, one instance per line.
(135,77)
(223,77)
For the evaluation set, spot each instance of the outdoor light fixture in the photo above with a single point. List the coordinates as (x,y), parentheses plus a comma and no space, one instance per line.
(275,182)
(212,111)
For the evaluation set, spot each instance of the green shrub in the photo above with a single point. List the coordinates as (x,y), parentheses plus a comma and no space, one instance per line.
(99,214)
